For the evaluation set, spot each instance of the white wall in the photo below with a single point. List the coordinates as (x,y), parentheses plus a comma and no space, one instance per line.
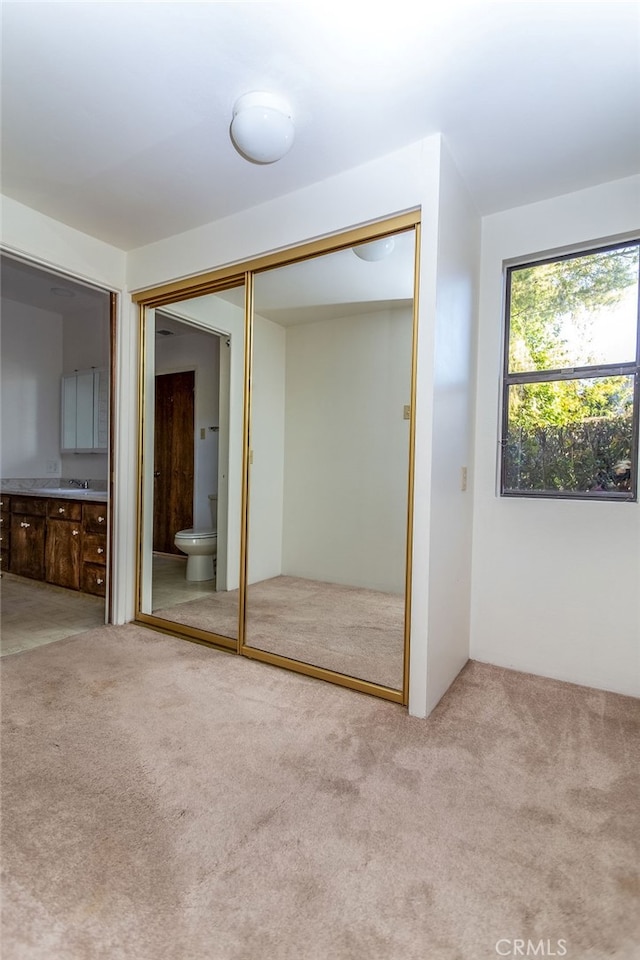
(31,369)
(267,444)
(86,344)
(78,345)
(444,440)
(556,584)
(347,449)
(31,234)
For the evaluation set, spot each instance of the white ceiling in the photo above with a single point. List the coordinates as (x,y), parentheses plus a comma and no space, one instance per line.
(115,115)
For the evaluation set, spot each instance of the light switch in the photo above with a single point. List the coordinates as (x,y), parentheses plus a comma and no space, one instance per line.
(203,433)
(407,412)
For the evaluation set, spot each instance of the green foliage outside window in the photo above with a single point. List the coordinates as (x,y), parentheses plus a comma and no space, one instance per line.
(570,394)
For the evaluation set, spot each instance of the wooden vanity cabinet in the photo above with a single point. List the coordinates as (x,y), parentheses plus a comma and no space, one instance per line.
(63,550)
(5,532)
(62,541)
(28,532)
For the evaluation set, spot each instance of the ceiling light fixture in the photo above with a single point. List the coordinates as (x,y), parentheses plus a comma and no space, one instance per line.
(375,249)
(262,127)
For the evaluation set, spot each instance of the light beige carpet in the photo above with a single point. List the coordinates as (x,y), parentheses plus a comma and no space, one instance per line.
(352,630)
(165,801)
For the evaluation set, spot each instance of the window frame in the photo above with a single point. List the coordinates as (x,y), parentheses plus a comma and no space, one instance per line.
(592,371)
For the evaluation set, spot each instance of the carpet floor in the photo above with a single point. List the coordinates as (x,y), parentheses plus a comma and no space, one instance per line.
(165,801)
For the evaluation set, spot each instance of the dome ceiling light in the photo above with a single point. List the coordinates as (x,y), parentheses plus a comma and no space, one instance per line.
(262,128)
(375,249)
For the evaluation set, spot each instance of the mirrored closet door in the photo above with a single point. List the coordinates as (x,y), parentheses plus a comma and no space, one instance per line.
(191,464)
(276,457)
(331,383)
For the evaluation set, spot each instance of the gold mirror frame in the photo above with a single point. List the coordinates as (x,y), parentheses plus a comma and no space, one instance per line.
(243,274)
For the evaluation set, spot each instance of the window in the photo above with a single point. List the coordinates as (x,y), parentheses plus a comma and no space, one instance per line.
(571,389)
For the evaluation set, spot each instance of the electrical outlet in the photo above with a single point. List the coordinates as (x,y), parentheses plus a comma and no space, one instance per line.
(463,478)
(51,468)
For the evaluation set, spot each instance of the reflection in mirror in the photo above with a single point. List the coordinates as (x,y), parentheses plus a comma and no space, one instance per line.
(330,442)
(192,462)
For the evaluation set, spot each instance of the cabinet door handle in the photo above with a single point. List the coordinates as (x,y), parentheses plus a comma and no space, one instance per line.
(75,532)
(100,549)
(99,581)
(100,519)
(23,524)
(60,509)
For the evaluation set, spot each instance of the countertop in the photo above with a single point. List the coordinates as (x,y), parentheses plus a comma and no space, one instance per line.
(56,493)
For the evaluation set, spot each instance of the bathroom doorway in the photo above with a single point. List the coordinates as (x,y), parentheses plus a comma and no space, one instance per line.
(57,344)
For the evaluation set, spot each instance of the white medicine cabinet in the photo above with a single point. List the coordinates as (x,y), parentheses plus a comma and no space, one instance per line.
(85,406)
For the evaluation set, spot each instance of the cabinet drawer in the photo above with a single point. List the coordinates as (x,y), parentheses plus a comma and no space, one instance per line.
(94,579)
(65,510)
(94,517)
(5,504)
(94,548)
(34,506)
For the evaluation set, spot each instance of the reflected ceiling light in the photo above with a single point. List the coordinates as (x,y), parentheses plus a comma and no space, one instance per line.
(262,128)
(375,249)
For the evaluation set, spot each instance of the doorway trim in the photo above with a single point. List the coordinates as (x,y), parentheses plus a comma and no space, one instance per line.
(60,273)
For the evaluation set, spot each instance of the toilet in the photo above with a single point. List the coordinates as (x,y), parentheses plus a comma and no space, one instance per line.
(200,546)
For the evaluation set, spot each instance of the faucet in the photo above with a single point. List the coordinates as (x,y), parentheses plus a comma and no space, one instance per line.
(83,484)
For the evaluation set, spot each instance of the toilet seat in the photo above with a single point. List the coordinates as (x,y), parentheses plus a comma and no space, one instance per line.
(192,534)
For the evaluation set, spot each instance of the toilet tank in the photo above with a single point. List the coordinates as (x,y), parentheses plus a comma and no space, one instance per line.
(213,507)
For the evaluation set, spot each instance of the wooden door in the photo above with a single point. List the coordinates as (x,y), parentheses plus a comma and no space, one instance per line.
(173,458)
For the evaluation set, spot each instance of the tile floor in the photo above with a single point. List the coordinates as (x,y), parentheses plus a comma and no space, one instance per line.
(33,613)
(170,586)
